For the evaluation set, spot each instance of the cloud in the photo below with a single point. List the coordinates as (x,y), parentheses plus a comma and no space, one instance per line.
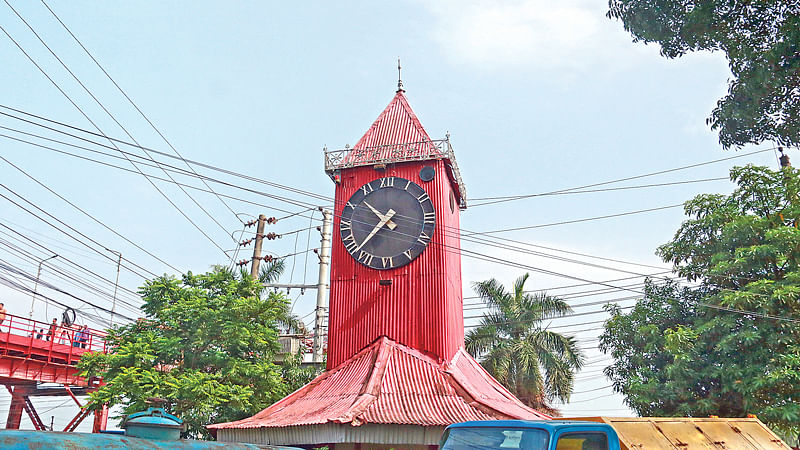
(505,34)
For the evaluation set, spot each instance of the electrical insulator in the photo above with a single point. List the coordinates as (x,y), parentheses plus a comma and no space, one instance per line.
(242,262)
(272,220)
(268,258)
(246,242)
(251,223)
(272,236)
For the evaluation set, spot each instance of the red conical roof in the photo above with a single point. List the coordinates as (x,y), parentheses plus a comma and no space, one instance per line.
(397,124)
(396,135)
(390,383)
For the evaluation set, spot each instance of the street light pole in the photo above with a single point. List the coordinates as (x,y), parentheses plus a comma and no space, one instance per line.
(116,285)
(36,286)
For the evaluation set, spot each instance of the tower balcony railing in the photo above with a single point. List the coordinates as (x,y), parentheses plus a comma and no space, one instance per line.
(336,160)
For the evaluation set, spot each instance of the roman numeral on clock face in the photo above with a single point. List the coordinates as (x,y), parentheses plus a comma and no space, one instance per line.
(423,238)
(346,226)
(430,217)
(423,198)
(386,261)
(367,188)
(349,242)
(387,182)
(365,257)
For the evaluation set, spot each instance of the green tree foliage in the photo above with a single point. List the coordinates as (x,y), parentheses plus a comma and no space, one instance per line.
(206,345)
(536,364)
(761,40)
(731,345)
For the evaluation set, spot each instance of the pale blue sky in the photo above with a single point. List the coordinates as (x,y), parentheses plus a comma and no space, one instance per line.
(536,98)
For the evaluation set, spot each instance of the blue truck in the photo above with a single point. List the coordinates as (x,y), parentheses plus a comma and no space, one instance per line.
(613,433)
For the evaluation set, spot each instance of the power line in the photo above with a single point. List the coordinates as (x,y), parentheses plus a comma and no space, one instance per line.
(174,169)
(134,104)
(68,277)
(660,172)
(75,279)
(8,268)
(71,228)
(589,191)
(90,216)
(103,134)
(167,155)
(63,258)
(471,240)
(565,222)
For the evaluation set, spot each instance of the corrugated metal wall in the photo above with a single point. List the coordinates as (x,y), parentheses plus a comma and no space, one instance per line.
(400,436)
(422,307)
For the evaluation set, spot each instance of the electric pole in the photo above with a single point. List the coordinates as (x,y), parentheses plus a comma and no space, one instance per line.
(262,220)
(322,285)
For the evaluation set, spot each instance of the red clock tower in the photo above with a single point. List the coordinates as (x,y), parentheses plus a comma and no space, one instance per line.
(397,373)
(405,281)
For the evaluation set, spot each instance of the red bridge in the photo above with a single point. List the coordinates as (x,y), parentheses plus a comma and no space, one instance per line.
(32,353)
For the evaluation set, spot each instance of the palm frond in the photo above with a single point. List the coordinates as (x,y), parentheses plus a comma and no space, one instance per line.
(492,293)
(271,271)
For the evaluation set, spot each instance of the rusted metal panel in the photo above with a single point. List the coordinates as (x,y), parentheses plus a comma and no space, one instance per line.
(691,432)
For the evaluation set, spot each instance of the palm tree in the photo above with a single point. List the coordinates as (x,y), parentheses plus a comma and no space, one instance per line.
(536,364)
(270,272)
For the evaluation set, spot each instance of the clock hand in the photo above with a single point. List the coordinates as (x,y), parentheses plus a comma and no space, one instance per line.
(389,223)
(380,224)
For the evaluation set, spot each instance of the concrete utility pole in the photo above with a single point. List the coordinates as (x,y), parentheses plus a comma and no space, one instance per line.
(262,220)
(322,284)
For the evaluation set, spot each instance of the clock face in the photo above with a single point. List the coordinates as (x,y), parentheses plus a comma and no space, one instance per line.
(387,223)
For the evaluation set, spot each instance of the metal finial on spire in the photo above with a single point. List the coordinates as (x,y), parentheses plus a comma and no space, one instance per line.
(399,80)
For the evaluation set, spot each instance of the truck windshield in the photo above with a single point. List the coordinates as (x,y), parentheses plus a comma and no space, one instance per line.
(494,438)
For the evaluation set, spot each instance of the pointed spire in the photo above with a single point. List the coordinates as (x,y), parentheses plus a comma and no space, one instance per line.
(399,79)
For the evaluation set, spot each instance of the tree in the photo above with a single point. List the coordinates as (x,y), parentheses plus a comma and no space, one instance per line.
(730,345)
(206,345)
(536,364)
(761,40)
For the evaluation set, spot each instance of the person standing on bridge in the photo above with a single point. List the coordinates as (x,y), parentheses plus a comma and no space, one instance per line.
(51,333)
(2,312)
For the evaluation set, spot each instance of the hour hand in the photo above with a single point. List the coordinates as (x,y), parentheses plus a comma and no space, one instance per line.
(389,224)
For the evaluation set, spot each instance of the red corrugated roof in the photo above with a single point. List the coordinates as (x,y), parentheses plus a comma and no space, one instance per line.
(389,383)
(396,130)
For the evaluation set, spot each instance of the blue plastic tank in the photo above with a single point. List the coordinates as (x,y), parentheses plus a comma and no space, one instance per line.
(155,423)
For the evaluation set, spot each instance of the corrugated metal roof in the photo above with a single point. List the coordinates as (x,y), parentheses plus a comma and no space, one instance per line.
(390,383)
(397,124)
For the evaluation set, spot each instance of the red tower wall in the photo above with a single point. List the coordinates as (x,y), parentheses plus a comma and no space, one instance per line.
(422,308)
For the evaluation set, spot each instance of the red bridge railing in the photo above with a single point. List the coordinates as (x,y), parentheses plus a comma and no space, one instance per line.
(25,338)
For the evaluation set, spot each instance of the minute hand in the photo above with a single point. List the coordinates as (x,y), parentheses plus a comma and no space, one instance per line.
(377,227)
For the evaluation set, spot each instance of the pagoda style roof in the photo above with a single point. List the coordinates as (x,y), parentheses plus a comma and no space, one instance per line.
(396,136)
(389,383)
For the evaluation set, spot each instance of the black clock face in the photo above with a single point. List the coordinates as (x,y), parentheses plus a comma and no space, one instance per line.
(387,223)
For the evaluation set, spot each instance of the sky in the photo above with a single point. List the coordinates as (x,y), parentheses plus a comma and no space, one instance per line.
(537,98)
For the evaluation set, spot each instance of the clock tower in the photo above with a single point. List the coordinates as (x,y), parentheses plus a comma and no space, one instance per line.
(397,372)
(396,263)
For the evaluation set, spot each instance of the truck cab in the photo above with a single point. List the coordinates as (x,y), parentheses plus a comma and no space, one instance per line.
(529,435)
